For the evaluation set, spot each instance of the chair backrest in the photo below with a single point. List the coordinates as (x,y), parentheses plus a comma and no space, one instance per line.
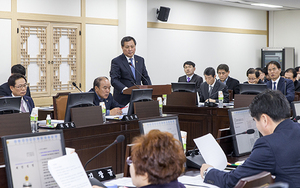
(258,180)
(297,96)
(127,154)
(230,91)
(59,105)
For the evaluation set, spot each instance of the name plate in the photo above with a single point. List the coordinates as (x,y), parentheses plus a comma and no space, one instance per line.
(101,174)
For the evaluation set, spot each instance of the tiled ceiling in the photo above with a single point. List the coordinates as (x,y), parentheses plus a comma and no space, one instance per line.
(287,4)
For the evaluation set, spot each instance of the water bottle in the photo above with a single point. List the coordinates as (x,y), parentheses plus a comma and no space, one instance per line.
(221,99)
(33,120)
(48,120)
(160,104)
(164,99)
(103,108)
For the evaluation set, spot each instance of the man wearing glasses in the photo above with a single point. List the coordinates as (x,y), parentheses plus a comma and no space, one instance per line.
(18,86)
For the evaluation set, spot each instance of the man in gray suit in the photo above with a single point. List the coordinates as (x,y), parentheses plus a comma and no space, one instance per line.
(190,76)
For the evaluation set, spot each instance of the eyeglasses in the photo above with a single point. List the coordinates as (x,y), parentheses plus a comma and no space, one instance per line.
(129,161)
(21,86)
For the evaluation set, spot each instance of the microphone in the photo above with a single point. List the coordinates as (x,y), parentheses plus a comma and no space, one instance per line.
(249,131)
(139,73)
(295,119)
(74,84)
(119,139)
(135,84)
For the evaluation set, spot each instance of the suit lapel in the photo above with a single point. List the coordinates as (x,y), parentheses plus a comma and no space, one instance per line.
(127,66)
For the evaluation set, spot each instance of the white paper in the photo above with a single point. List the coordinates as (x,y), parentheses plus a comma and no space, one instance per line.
(194,180)
(68,172)
(211,151)
(125,181)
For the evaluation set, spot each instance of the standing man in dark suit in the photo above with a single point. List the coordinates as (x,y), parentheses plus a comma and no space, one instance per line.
(102,93)
(127,70)
(190,76)
(292,75)
(4,88)
(18,86)
(277,82)
(209,90)
(223,73)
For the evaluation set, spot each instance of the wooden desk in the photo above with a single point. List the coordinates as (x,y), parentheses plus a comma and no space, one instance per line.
(198,121)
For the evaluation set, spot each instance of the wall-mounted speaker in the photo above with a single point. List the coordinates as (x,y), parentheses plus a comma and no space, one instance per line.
(163,13)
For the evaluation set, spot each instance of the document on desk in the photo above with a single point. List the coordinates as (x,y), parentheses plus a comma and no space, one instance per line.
(211,151)
(196,181)
(68,172)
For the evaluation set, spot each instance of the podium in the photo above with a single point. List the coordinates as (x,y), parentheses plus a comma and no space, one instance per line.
(158,90)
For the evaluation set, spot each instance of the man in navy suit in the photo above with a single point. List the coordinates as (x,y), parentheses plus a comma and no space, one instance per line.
(18,86)
(291,74)
(209,90)
(4,88)
(127,70)
(277,82)
(277,152)
(102,93)
(223,73)
(189,69)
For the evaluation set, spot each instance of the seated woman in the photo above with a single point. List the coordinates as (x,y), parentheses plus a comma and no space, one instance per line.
(157,160)
(253,77)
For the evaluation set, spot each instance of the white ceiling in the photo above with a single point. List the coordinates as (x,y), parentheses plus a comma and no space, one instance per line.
(287,4)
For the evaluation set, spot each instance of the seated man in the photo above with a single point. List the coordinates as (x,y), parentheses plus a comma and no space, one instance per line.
(277,152)
(253,77)
(18,86)
(223,73)
(4,88)
(298,72)
(279,83)
(189,69)
(209,90)
(102,93)
(292,75)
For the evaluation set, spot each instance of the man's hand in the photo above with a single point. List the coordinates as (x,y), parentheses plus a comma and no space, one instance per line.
(115,111)
(212,100)
(203,168)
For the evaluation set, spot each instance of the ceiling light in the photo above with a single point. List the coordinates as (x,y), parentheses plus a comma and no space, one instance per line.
(266,5)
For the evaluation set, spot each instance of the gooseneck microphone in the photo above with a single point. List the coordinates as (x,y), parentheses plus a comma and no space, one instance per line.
(139,73)
(135,84)
(249,131)
(119,139)
(74,84)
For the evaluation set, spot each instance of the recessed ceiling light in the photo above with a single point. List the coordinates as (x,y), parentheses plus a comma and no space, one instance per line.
(266,5)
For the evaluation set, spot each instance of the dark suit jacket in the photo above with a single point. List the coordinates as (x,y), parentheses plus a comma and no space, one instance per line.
(121,76)
(5,90)
(297,86)
(233,84)
(219,86)
(29,103)
(286,86)
(110,103)
(278,153)
(196,78)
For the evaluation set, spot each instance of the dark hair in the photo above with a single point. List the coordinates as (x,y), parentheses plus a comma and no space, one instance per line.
(189,63)
(18,68)
(127,39)
(12,79)
(209,71)
(98,80)
(291,70)
(274,63)
(265,70)
(272,103)
(282,73)
(223,67)
(159,155)
(253,71)
(297,68)
(259,69)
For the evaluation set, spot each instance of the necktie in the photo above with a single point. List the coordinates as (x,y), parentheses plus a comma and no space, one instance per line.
(188,79)
(210,90)
(22,107)
(274,88)
(131,67)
